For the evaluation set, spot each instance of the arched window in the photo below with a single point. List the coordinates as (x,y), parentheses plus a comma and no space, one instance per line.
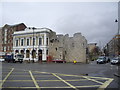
(27,53)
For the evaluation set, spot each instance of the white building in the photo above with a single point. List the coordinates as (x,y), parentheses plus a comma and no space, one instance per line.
(33,43)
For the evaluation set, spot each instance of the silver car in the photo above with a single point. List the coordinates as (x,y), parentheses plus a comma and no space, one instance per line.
(115,60)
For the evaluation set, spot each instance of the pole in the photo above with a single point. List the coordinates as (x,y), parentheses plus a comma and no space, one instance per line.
(33,43)
(118,46)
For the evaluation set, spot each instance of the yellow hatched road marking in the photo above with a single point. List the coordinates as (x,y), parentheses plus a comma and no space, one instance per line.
(44,80)
(93,80)
(56,87)
(82,76)
(102,87)
(6,77)
(29,75)
(65,81)
(36,84)
(19,75)
(19,87)
(89,86)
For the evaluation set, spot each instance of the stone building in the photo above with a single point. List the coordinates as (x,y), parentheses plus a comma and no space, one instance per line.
(69,48)
(33,43)
(6,38)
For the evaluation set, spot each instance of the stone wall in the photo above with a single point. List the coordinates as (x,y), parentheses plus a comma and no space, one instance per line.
(69,48)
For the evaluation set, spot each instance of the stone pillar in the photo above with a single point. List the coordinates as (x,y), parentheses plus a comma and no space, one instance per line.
(44,54)
(30,54)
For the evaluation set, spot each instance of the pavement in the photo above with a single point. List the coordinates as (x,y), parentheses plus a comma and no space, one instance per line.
(36,76)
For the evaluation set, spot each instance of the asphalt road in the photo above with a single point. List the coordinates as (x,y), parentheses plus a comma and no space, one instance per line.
(37,76)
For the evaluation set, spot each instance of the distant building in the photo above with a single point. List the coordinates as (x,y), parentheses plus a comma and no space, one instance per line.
(91,46)
(33,43)
(6,38)
(112,48)
(94,51)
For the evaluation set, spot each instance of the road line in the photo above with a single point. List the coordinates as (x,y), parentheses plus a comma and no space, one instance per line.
(89,86)
(20,87)
(76,86)
(65,82)
(73,75)
(20,75)
(81,76)
(43,80)
(34,87)
(19,80)
(56,87)
(42,72)
(36,84)
(6,77)
(93,80)
(102,87)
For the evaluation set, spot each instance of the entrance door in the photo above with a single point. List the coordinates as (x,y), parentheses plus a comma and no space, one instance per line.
(40,55)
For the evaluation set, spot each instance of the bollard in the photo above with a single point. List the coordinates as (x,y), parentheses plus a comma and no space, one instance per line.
(74,61)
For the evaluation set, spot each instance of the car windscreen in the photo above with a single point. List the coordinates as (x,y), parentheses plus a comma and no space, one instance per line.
(20,56)
(101,58)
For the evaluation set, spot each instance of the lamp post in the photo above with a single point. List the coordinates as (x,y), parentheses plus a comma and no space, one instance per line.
(33,42)
(118,41)
(118,47)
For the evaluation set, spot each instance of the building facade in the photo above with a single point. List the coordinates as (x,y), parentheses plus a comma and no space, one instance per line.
(112,48)
(94,51)
(6,37)
(68,48)
(33,43)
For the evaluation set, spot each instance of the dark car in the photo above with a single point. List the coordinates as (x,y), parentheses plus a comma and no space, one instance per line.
(115,60)
(9,58)
(101,60)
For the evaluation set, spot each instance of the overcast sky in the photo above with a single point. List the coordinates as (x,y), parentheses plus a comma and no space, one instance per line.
(95,20)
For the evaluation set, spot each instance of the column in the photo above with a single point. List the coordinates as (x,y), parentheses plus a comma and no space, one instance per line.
(45,37)
(30,54)
(44,54)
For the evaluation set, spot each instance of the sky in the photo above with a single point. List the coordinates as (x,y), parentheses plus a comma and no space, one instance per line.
(95,20)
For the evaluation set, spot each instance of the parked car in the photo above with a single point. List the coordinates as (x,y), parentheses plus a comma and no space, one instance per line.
(9,58)
(59,61)
(19,58)
(101,60)
(2,59)
(115,60)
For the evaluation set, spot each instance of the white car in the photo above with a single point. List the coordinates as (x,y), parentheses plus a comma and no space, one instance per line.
(2,59)
(115,60)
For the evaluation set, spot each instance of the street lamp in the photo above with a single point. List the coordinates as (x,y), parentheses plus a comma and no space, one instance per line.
(118,44)
(118,47)
(33,43)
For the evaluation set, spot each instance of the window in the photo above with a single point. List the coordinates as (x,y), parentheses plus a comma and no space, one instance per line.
(22,42)
(16,42)
(5,36)
(4,49)
(40,41)
(47,41)
(33,41)
(47,52)
(28,41)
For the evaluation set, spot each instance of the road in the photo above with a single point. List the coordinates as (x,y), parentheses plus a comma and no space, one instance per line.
(37,76)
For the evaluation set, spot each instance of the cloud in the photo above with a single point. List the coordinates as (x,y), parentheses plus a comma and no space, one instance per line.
(94,20)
